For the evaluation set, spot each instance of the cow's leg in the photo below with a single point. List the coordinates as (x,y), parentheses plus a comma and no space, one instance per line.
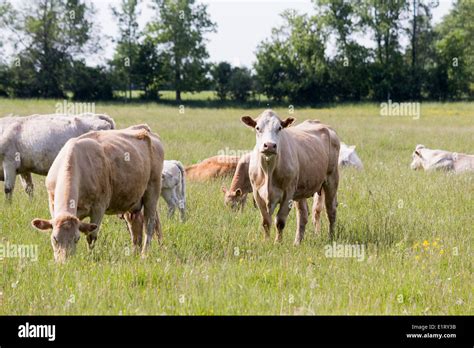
(9,172)
(266,217)
(181,204)
(135,226)
(27,183)
(317,209)
(152,219)
(301,220)
(281,217)
(330,198)
(97,214)
(171,200)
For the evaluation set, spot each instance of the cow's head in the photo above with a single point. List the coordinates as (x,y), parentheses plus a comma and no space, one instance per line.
(268,127)
(233,199)
(345,154)
(417,158)
(65,233)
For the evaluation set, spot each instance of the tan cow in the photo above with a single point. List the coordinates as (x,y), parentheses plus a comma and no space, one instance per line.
(104,172)
(427,159)
(240,187)
(212,168)
(291,164)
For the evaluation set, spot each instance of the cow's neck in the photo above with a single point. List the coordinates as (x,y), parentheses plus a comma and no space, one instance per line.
(268,166)
(66,193)
(239,178)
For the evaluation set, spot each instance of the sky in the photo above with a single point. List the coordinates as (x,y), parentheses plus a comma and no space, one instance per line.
(241,25)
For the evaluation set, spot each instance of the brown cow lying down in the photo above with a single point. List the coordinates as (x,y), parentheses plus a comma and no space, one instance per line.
(291,164)
(211,168)
(104,172)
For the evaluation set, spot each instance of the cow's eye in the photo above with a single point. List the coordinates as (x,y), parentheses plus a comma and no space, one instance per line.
(55,239)
(280,128)
(257,129)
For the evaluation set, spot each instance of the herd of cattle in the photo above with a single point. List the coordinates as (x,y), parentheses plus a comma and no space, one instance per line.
(94,169)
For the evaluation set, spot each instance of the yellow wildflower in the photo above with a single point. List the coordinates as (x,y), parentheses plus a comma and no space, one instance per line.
(441,252)
(426,244)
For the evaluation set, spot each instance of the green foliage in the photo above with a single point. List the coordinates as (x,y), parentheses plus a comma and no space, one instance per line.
(221,75)
(241,84)
(90,83)
(179,30)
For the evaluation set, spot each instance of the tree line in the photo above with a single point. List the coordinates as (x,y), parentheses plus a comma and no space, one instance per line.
(311,58)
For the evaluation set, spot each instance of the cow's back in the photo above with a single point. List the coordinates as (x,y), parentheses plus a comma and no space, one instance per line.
(311,151)
(39,138)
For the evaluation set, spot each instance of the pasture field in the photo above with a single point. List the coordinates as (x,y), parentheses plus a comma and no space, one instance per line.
(417,229)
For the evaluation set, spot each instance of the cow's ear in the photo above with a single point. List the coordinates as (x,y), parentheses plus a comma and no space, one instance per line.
(418,153)
(248,121)
(288,122)
(86,227)
(224,189)
(42,225)
(238,192)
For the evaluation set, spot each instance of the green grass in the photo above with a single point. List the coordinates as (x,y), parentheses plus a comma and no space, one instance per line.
(217,262)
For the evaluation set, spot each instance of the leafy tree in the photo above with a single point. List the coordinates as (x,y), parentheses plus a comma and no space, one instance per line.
(221,75)
(292,64)
(52,33)
(179,28)
(126,54)
(90,83)
(240,84)
(455,51)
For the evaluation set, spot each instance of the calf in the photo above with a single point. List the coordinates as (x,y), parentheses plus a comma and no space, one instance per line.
(348,157)
(104,172)
(173,187)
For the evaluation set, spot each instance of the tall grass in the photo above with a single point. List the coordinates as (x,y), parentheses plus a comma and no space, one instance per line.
(416,228)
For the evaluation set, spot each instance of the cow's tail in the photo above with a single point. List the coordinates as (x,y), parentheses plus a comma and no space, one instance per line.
(183,181)
(108,119)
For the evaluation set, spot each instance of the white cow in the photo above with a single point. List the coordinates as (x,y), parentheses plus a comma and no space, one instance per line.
(30,144)
(427,159)
(173,187)
(348,157)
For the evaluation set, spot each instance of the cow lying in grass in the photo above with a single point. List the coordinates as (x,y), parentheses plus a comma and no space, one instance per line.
(173,187)
(211,168)
(289,165)
(104,172)
(30,144)
(427,159)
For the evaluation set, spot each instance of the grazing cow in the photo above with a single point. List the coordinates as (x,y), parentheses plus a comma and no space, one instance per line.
(212,168)
(291,164)
(104,172)
(30,144)
(427,159)
(173,187)
(236,195)
(348,157)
